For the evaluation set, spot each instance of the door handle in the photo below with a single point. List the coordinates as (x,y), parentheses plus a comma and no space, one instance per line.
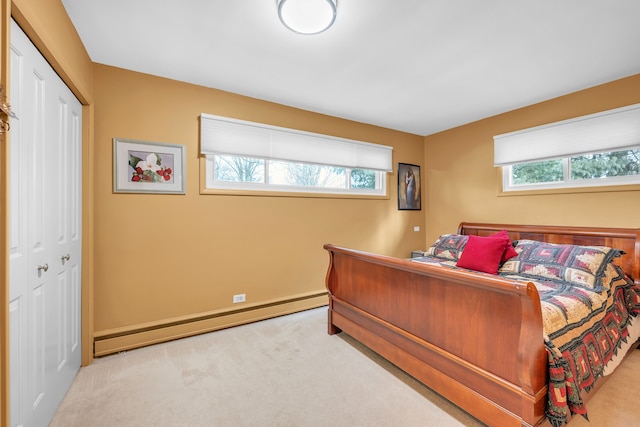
(66,257)
(43,267)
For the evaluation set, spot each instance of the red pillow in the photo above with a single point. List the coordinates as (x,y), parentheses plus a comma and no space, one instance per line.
(483,254)
(509,251)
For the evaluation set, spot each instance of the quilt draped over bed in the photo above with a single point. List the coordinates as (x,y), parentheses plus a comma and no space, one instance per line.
(584,329)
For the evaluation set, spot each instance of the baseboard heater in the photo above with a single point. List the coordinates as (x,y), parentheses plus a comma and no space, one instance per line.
(135,336)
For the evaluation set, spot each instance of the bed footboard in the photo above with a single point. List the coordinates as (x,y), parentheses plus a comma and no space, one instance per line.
(475,339)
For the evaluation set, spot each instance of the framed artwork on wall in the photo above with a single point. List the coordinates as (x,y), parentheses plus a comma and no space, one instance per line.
(148,167)
(409,189)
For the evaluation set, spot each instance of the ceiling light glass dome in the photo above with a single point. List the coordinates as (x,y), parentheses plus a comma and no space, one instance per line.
(307,16)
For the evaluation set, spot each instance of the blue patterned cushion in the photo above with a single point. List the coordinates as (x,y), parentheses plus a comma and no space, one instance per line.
(578,265)
(448,246)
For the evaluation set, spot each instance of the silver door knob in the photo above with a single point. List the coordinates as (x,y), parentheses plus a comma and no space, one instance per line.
(66,257)
(43,267)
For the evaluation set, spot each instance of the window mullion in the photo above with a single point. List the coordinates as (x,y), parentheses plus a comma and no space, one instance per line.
(267,164)
(566,166)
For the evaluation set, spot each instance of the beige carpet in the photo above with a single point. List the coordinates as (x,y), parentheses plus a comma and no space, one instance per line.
(282,372)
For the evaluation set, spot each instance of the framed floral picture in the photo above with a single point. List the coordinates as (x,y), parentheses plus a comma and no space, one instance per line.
(148,167)
(409,190)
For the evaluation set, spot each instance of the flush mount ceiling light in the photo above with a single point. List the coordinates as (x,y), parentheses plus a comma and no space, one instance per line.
(307,16)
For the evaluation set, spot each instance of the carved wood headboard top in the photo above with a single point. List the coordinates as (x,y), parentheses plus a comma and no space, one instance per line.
(624,239)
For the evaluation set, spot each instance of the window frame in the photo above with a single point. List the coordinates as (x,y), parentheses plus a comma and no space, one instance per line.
(213,186)
(602,132)
(234,137)
(568,182)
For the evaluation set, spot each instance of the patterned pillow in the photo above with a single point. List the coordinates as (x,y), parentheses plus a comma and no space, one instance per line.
(448,246)
(578,265)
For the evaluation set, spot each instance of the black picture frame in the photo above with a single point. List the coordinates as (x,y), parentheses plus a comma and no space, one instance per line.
(409,187)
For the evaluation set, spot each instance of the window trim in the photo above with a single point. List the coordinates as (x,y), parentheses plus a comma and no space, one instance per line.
(281,191)
(563,190)
(567,182)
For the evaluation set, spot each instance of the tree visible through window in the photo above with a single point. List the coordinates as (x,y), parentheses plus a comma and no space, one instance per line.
(239,169)
(606,168)
(363,178)
(530,173)
(306,175)
(603,165)
(226,171)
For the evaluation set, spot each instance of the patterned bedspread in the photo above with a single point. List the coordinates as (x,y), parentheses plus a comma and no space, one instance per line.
(584,329)
(583,332)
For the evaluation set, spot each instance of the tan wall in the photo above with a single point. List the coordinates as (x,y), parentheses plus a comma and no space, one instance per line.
(160,257)
(462,184)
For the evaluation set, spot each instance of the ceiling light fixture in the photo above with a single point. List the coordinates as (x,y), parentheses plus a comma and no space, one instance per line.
(307,16)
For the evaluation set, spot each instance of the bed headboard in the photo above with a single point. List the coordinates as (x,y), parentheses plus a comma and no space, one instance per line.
(624,239)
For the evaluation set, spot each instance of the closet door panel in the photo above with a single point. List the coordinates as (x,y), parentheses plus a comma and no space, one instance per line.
(66,203)
(36,355)
(18,244)
(72,257)
(74,216)
(17,386)
(18,189)
(41,280)
(45,240)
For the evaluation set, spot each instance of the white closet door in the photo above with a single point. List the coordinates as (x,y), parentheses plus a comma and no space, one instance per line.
(45,236)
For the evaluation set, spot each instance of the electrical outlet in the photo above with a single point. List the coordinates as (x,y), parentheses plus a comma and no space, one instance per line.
(416,228)
(239,298)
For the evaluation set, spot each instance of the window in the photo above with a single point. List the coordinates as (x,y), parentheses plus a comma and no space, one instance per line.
(586,170)
(249,156)
(597,150)
(247,173)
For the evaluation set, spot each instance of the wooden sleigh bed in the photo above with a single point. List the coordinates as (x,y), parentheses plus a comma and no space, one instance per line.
(475,338)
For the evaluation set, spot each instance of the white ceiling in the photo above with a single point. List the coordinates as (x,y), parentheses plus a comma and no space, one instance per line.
(419,66)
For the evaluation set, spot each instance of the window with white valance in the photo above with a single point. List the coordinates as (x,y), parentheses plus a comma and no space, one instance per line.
(253,156)
(600,132)
(223,135)
(595,150)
